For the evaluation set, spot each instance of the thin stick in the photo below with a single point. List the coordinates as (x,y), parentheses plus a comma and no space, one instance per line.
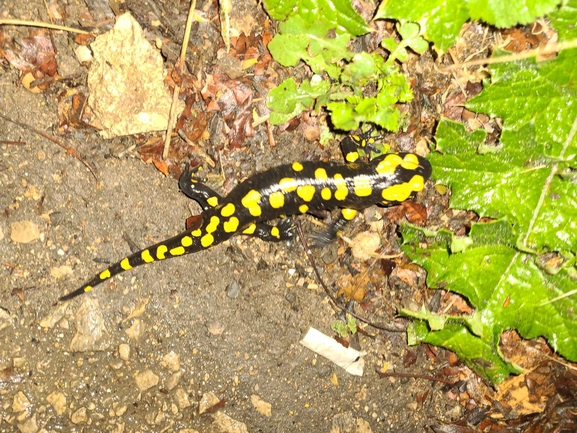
(331,296)
(415,376)
(554,48)
(176,92)
(68,150)
(43,25)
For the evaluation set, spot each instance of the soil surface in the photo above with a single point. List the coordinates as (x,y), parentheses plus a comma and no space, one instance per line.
(145,351)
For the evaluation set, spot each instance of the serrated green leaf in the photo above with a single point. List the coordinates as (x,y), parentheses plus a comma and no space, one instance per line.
(564,19)
(475,353)
(389,44)
(311,43)
(536,102)
(506,288)
(526,182)
(288,99)
(309,34)
(502,13)
(362,68)
(419,45)
(279,9)
(441,20)
(409,30)
(338,14)
(516,181)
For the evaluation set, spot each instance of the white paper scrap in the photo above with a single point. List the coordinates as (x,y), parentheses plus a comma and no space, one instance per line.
(348,358)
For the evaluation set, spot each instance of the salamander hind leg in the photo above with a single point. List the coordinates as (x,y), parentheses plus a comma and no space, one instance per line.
(334,229)
(283,231)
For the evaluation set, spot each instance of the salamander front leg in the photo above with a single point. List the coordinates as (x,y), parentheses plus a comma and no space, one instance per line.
(322,238)
(194,188)
(351,144)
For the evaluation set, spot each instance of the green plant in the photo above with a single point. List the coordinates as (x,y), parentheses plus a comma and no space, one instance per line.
(518,270)
(441,20)
(345,329)
(355,87)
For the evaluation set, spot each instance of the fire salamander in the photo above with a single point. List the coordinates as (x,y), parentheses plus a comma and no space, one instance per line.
(282,191)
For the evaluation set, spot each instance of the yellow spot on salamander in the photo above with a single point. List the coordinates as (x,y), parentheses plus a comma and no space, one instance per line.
(410,162)
(249,230)
(321,174)
(231,225)
(389,164)
(227,210)
(207,240)
(274,231)
(276,200)
(352,156)
(178,251)
(161,251)
(417,183)
(399,192)
(104,275)
(125,264)
(213,224)
(306,192)
(88,289)
(297,166)
(251,202)
(303,208)
(362,185)
(349,214)
(186,241)
(287,184)
(212,201)
(326,193)
(146,256)
(196,233)
(341,184)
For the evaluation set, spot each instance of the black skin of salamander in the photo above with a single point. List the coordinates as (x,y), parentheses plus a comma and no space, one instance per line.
(266,183)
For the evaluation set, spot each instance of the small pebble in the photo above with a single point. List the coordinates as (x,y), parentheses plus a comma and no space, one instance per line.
(145,380)
(233,290)
(124,351)
(80,416)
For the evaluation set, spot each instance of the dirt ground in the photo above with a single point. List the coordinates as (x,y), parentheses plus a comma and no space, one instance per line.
(145,351)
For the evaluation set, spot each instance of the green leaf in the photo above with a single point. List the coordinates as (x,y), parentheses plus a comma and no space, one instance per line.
(410,34)
(287,100)
(279,10)
(539,145)
(441,20)
(362,87)
(506,288)
(311,43)
(338,14)
(564,19)
(519,271)
(504,14)
(475,352)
